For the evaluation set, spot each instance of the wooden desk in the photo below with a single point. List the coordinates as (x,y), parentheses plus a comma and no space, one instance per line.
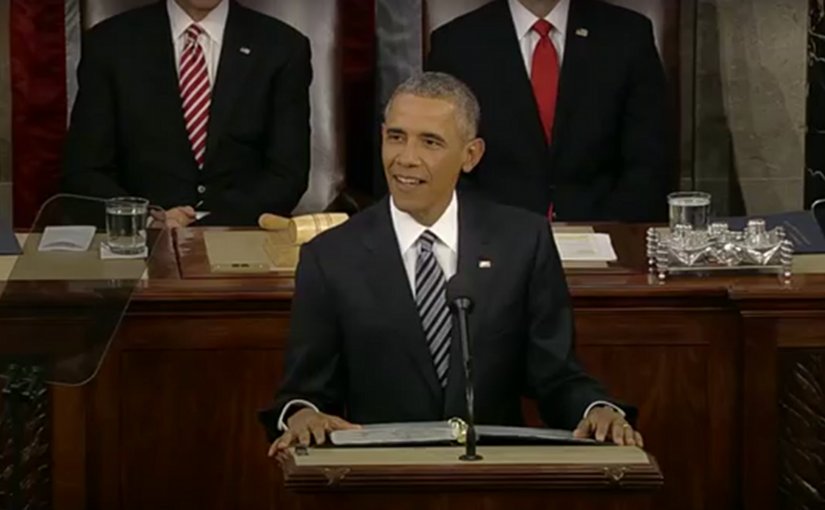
(728,374)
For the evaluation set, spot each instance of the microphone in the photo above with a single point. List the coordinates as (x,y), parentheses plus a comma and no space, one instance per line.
(459,292)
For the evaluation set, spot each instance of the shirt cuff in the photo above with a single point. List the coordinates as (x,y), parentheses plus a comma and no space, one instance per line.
(285,412)
(602,403)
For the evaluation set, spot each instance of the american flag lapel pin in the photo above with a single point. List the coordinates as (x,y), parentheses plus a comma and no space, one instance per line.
(245,50)
(484,264)
(582,32)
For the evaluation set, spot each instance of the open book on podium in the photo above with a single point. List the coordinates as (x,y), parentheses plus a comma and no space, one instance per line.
(450,432)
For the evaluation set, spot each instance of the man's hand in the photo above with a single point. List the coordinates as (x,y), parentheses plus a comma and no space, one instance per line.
(305,426)
(179,217)
(604,423)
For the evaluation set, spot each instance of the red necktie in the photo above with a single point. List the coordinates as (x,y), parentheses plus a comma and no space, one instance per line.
(195,92)
(545,80)
(545,76)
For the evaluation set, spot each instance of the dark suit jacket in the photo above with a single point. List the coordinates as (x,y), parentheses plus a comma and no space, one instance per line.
(609,157)
(357,348)
(127,134)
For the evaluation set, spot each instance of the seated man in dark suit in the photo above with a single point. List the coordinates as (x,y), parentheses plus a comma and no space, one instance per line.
(573,99)
(196,105)
(371,337)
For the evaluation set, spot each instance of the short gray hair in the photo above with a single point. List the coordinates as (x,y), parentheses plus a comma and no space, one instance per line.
(448,87)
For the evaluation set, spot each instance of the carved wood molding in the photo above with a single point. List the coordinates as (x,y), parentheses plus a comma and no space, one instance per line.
(801,395)
(32,414)
(439,478)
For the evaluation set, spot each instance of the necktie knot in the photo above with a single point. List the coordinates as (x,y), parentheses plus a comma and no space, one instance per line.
(543,27)
(426,242)
(193,32)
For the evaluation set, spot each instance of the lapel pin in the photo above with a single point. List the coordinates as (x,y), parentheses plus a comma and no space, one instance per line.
(246,51)
(485,264)
(582,32)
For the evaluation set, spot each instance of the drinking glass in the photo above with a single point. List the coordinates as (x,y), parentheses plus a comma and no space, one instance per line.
(689,208)
(126,225)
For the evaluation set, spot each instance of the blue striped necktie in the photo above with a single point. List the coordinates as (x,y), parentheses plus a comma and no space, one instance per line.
(431,299)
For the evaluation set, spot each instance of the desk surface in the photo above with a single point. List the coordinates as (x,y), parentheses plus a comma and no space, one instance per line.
(180,270)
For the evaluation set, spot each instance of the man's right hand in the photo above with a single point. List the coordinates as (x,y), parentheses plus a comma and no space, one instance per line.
(306,426)
(180,217)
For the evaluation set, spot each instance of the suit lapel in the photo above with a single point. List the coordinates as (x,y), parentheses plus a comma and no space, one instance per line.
(237,58)
(505,57)
(475,259)
(384,269)
(159,68)
(577,48)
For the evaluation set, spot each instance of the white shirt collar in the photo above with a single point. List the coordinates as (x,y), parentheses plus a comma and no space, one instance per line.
(407,230)
(524,20)
(213,24)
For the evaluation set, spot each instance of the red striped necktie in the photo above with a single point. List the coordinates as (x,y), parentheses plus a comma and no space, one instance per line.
(196,92)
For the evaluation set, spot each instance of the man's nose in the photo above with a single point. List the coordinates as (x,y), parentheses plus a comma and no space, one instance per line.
(409,155)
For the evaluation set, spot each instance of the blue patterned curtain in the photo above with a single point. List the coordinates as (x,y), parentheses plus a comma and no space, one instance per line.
(815,139)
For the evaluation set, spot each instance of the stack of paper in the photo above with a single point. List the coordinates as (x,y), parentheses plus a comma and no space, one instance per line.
(584,247)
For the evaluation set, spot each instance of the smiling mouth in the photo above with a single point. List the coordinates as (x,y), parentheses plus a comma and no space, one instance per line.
(408,181)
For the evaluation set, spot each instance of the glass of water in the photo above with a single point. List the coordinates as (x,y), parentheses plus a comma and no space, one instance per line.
(689,208)
(126,225)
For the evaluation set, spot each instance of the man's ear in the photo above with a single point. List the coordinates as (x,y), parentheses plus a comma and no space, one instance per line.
(473,154)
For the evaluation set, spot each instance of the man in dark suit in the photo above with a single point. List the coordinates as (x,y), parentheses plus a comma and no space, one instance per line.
(197,105)
(371,337)
(573,105)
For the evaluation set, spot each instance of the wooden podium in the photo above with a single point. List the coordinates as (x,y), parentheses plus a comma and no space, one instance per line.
(509,478)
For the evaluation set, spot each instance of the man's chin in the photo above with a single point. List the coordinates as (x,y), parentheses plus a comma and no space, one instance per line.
(403,202)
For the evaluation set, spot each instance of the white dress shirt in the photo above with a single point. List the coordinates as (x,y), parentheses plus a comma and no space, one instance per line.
(523,21)
(211,40)
(445,249)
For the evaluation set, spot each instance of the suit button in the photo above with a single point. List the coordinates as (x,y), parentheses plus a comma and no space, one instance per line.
(201,189)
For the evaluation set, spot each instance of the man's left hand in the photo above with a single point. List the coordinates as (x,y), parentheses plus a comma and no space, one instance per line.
(606,424)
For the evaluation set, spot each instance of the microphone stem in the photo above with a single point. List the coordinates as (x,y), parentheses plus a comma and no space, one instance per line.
(462,307)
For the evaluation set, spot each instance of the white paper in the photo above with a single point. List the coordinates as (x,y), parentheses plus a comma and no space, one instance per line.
(585,247)
(74,238)
(530,434)
(395,433)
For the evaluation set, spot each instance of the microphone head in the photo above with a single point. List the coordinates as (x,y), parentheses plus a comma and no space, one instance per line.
(460,291)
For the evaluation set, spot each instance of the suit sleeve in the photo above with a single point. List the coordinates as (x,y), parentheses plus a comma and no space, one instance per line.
(312,366)
(285,174)
(646,144)
(89,160)
(564,391)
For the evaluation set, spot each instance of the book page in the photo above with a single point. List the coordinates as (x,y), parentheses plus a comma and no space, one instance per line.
(527,434)
(395,434)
